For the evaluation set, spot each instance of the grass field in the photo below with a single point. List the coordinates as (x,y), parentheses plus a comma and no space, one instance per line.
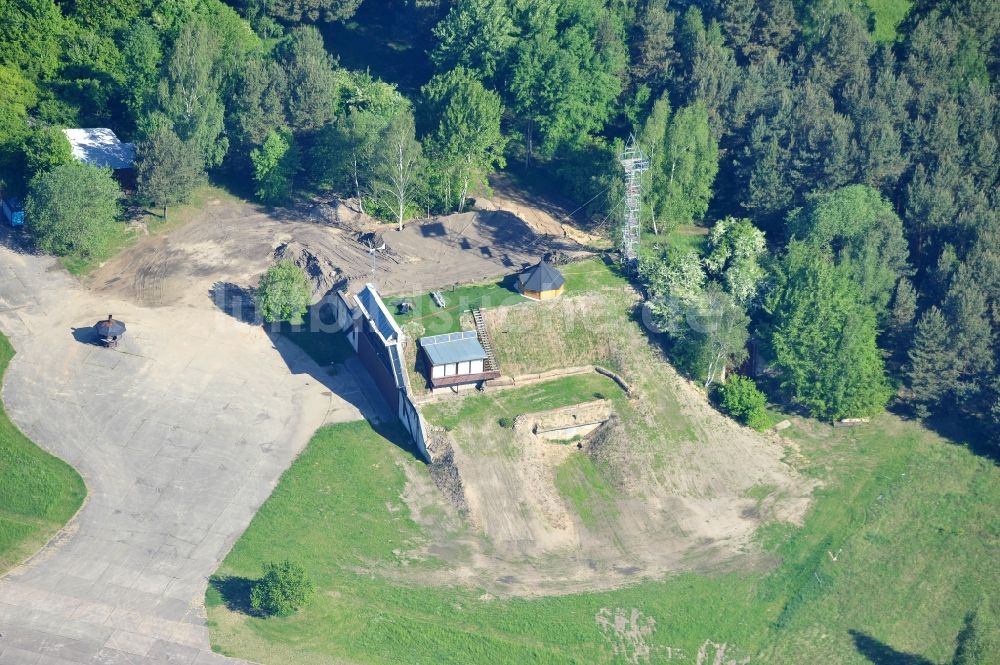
(909,518)
(896,554)
(38,492)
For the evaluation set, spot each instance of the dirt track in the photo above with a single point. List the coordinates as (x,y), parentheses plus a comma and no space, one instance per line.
(235,242)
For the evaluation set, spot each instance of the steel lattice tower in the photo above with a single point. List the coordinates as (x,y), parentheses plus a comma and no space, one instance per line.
(635,164)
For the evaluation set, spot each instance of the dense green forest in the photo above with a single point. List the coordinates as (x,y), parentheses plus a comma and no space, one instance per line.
(846,167)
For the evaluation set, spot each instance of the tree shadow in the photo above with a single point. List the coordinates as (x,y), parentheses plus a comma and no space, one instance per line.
(17,240)
(236,301)
(880,653)
(966,431)
(235,593)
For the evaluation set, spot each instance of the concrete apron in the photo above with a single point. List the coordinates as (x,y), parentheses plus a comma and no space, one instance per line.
(180,434)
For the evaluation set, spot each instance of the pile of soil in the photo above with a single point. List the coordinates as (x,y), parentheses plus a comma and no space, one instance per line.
(322,274)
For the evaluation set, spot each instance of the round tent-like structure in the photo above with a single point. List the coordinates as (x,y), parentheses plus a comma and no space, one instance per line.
(541,282)
(110,331)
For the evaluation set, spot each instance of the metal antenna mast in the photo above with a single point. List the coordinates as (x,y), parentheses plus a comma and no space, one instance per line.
(635,164)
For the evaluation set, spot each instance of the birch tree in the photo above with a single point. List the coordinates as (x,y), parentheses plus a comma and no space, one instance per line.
(398,166)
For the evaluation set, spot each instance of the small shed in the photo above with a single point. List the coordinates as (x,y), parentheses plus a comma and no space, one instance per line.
(100,147)
(455,359)
(541,282)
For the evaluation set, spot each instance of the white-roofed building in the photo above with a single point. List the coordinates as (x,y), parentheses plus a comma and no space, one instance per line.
(100,147)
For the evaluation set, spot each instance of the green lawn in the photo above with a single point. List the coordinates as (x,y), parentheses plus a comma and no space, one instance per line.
(429,319)
(580,481)
(896,552)
(38,492)
(581,277)
(684,237)
(494,405)
(910,518)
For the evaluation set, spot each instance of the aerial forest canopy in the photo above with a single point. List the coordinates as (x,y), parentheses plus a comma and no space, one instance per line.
(844,159)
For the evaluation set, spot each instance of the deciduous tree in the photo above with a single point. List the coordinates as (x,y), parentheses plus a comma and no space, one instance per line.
(283,293)
(690,162)
(736,248)
(283,590)
(864,234)
(188,94)
(72,209)
(466,142)
(823,337)
(397,165)
(275,165)
(45,149)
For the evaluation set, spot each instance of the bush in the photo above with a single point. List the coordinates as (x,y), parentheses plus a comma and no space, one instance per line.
(283,293)
(506,422)
(284,589)
(741,399)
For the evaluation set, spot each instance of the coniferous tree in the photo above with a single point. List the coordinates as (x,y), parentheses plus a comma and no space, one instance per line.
(167,169)
(971,335)
(904,311)
(312,85)
(656,56)
(933,368)
(477,35)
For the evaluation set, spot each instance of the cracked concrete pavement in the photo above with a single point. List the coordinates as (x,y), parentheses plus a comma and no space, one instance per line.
(180,435)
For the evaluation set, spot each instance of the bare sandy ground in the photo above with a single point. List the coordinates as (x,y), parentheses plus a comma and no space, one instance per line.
(235,243)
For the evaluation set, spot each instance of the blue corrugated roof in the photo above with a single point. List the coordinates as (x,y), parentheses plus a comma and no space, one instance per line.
(453,348)
(386,326)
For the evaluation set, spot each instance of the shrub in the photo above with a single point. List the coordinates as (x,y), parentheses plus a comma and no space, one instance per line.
(741,398)
(283,292)
(284,588)
(506,422)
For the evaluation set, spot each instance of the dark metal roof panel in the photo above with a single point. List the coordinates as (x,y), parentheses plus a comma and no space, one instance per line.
(541,277)
(372,304)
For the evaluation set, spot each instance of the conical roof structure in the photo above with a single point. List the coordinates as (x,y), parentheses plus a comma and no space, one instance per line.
(109,327)
(541,277)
